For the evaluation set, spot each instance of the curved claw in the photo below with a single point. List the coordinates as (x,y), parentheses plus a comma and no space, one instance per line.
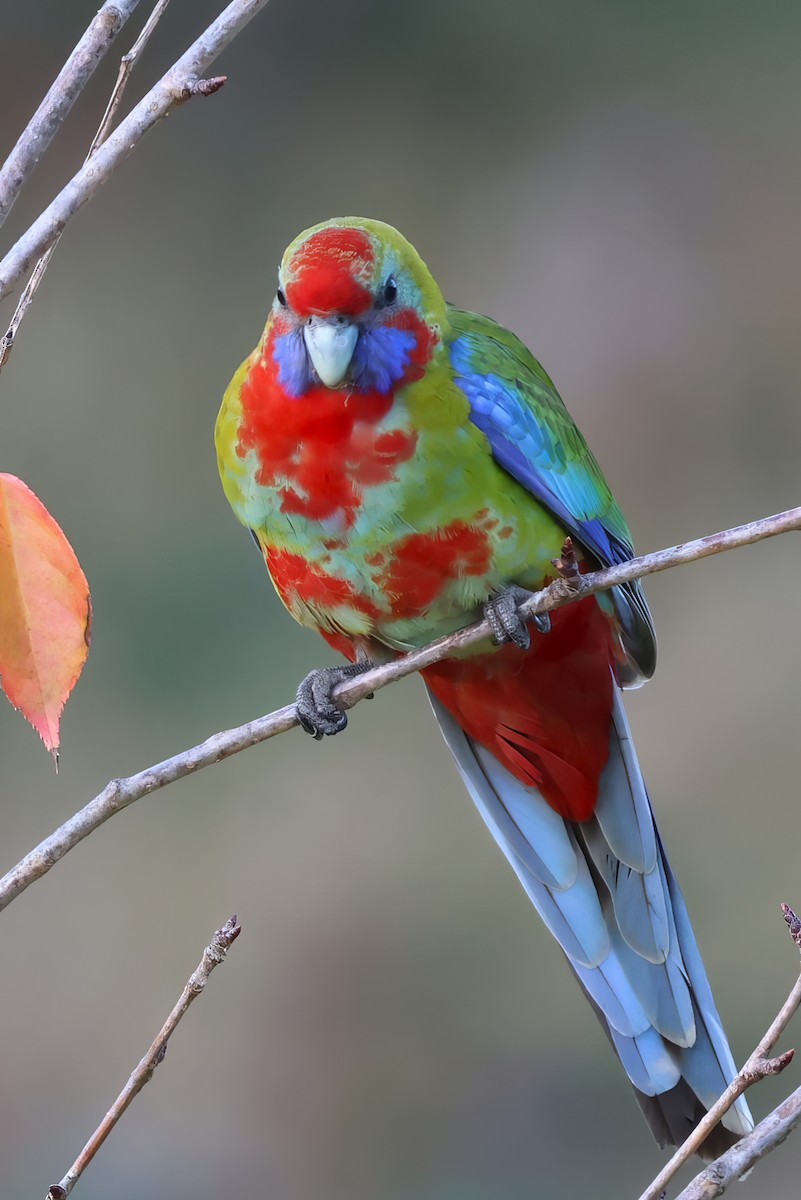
(316,711)
(502,613)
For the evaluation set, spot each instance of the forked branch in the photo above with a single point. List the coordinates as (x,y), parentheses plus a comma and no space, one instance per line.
(184,79)
(732,1165)
(768,1134)
(127,64)
(68,85)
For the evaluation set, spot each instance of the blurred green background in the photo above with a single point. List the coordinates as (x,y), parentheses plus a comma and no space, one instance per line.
(621,184)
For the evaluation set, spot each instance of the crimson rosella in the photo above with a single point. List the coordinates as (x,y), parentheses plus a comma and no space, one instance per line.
(405,466)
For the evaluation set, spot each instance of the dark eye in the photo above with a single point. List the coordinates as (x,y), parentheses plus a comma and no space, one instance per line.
(390,291)
(281,297)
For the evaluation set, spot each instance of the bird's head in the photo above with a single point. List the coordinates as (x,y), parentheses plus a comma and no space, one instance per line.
(356,308)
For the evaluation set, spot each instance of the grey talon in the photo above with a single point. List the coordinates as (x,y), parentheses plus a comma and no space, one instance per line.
(315,709)
(502,613)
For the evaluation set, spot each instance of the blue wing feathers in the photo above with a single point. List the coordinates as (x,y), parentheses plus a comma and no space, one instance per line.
(532,437)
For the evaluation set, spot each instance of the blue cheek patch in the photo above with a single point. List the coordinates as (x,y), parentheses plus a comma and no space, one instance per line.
(381,357)
(294,372)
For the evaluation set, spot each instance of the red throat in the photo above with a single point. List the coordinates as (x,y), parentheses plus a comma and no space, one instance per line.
(321,451)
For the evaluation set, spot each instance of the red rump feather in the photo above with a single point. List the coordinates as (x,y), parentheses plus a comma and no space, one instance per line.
(328,272)
(544,714)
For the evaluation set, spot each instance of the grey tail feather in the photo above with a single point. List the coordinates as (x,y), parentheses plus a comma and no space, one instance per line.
(606,892)
(673,1115)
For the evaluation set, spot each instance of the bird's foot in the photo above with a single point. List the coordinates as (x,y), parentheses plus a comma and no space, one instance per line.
(502,612)
(316,710)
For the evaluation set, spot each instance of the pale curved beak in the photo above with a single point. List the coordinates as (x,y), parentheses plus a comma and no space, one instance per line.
(330,342)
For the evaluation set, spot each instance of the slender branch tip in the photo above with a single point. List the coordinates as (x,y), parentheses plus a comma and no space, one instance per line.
(229,932)
(793,923)
(213,955)
(775,1066)
(204,87)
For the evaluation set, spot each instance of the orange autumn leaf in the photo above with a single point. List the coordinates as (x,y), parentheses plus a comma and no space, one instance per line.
(45,610)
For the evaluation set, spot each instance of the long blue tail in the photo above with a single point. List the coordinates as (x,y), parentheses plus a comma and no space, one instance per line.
(606,892)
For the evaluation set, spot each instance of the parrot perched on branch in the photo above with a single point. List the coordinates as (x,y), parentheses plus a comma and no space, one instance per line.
(405,467)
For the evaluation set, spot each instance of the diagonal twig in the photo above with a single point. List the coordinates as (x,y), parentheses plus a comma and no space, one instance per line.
(68,85)
(758,1066)
(213,955)
(182,81)
(119,793)
(733,1165)
(127,64)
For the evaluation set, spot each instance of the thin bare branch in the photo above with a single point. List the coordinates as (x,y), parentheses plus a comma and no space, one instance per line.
(50,114)
(732,1165)
(758,1066)
(8,340)
(127,64)
(182,81)
(119,793)
(213,955)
